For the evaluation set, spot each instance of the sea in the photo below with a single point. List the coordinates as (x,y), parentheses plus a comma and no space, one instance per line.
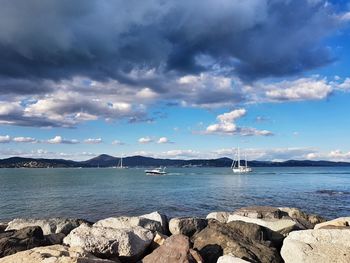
(96,193)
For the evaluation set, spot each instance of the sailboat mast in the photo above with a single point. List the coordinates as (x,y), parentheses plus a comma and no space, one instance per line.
(239,159)
(121,162)
(246,162)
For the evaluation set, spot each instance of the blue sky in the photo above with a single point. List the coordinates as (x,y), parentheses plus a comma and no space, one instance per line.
(175,79)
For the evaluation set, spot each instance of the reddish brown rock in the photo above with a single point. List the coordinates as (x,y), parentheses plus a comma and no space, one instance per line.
(176,249)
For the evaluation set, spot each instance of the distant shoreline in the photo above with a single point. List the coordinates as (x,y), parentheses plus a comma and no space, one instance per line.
(107,161)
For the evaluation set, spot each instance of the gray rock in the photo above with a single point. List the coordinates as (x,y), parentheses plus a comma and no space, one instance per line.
(318,245)
(130,222)
(14,241)
(222,217)
(243,240)
(231,259)
(158,217)
(307,220)
(338,222)
(49,226)
(129,244)
(176,249)
(187,226)
(54,254)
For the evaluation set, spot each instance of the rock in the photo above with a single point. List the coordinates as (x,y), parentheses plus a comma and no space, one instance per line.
(338,222)
(176,249)
(158,240)
(187,226)
(106,242)
(54,254)
(230,259)
(162,219)
(222,217)
(307,220)
(318,245)
(240,239)
(270,217)
(130,222)
(55,239)
(3,226)
(49,226)
(261,212)
(14,241)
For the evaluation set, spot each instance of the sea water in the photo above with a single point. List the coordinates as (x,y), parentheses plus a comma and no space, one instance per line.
(92,193)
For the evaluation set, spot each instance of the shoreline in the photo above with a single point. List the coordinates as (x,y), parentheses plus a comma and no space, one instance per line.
(267,234)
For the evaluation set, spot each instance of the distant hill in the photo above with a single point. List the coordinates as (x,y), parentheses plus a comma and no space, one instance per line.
(105,160)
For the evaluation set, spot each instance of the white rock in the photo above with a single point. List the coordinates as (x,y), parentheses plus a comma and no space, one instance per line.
(341,221)
(222,217)
(110,242)
(54,254)
(230,259)
(318,245)
(278,225)
(156,216)
(130,222)
(49,226)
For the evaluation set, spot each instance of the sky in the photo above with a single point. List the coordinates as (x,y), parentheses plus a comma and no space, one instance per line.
(175,79)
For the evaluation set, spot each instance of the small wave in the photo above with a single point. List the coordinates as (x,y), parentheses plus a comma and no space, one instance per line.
(332,192)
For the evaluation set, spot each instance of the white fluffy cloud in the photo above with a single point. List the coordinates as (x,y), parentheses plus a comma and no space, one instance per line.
(145,140)
(117,142)
(5,139)
(226,125)
(24,139)
(93,140)
(60,140)
(163,140)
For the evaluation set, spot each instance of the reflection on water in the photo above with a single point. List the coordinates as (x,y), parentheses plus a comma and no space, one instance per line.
(98,193)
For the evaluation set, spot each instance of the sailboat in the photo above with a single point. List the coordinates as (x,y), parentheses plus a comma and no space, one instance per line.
(120,164)
(237,167)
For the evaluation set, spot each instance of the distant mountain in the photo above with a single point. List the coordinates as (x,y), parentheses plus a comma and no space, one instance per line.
(105,160)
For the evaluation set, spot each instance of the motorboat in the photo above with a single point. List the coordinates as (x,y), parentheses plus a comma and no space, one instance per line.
(156,171)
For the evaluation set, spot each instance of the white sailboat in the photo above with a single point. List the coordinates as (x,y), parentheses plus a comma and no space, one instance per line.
(120,164)
(237,167)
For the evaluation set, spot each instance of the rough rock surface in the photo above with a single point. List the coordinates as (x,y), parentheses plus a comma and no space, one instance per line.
(307,220)
(49,226)
(158,217)
(319,245)
(110,242)
(54,254)
(338,222)
(270,217)
(158,240)
(237,238)
(176,249)
(222,217)
(231,259)
(3,226)
(130,222)
(187,226)
(18,240)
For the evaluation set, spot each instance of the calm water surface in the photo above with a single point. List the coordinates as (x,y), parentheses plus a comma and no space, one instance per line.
(98,193)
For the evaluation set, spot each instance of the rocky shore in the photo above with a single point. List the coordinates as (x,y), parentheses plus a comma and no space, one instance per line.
(250,234)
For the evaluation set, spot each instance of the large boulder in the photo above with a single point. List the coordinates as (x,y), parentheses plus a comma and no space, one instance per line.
(231,259)
(187,226)
(270,217)
(240,239)
(338,222)
(319,245)
(49,226)
(54,254)
(176,249)
(14,241)
(307,220)
(222,217)
(158,217)
(105,242)
(154,222)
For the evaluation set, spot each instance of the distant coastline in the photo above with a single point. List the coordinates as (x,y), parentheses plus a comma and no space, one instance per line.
(105,160)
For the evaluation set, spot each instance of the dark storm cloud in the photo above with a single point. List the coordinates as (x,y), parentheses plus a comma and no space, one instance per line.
(107,39)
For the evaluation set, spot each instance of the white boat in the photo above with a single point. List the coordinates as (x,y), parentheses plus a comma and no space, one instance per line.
(237,167)
(156,171)
(120,164)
